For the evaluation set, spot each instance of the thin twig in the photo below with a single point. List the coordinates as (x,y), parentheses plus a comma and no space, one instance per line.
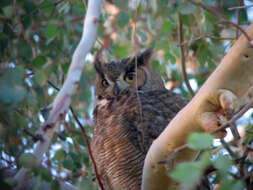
(221,19)
(191,41)
(218,38)
(85,139)
(240,7)
(181,45)
(54,86)
(235,131)
(174,154)
(135,46)
(235,117)
(88,148)
(198,155)
(249,131)
(226,146)
(35,138)
(238,18)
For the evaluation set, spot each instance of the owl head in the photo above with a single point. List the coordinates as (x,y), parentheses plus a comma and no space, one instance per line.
(132,73)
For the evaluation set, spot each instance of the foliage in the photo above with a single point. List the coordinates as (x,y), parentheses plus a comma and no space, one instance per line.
(37,41)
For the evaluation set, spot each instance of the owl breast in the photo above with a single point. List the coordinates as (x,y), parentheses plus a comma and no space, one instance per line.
(124,128)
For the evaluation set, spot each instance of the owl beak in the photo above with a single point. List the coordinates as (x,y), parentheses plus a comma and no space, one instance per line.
(116,90)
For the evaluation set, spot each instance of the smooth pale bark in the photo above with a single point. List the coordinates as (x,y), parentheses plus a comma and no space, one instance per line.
(63,99)
(234,73)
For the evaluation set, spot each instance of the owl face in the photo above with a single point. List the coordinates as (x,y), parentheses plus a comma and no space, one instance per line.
(132,73)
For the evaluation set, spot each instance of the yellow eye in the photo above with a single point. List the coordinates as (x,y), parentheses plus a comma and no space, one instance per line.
(130,77)
(104,83)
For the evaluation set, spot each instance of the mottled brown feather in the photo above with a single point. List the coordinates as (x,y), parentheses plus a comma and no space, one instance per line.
(125,127)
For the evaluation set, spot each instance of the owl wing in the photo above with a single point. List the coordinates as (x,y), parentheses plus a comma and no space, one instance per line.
(158,108)
(124,130)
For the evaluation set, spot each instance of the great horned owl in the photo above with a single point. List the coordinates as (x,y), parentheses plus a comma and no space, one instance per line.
(132,107)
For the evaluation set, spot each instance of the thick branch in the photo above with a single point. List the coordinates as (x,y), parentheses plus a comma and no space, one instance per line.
(63,99)
(235,73)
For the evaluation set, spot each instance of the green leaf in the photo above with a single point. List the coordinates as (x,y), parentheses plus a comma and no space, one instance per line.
(187,8)
(68,163)
(59,154)
(4,3)
(46,6)
(45,174)
(176,50)
(11,92)
(184,174)
(24,49)
(170,57)
(139,9)
(199,141)
(123,19)
(6,184)
(8,11)
(121,3)
(29,6)
(231,185)
(167,26)
(222,162)
(27,160)
(40,77)
(55,185)
(65,67)
(38,61)
(120,51)
(51,30)
(141,34)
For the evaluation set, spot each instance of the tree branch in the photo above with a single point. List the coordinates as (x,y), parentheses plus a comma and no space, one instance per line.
(63,99)
(234,73)
(85,137)
(240,7)
(238,19)
(230,124)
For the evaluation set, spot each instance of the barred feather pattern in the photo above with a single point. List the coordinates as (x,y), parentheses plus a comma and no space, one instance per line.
(124,128)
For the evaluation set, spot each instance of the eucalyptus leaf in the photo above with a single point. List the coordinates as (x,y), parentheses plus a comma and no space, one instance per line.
(199,141)
(51,30)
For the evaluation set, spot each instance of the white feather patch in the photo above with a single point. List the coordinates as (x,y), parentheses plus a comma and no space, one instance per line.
(102,103)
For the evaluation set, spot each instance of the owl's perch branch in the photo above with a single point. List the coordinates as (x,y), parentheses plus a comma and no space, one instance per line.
(222,127)
(235,73)
(63,99)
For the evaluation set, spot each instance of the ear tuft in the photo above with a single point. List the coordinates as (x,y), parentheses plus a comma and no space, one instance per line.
(98,63)
(144,57)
